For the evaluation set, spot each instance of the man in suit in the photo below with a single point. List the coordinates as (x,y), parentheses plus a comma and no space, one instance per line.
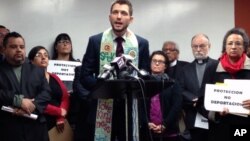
(23,87)
(193,79)
(171,49)
(103,48)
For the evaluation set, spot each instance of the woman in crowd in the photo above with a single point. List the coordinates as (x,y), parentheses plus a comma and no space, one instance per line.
(57,109)
(234,64)
(63,50)
(165,107)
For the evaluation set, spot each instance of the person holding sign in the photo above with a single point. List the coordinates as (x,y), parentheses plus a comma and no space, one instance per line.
(233,64)
(63,51)
(57,108)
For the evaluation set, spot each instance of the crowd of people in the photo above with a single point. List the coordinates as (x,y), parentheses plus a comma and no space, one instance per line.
(170,114)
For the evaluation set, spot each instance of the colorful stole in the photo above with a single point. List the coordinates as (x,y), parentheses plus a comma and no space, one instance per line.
(107,54)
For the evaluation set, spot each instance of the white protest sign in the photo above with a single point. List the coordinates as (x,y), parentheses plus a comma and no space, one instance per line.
(237,82)
(65,70)
(218,97)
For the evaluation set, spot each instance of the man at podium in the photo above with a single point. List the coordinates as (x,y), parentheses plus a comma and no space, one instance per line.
(102,49)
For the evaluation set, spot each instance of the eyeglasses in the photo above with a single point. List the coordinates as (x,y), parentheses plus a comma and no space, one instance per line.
(64,42)
(40,55)
(234,43)
(161,62)
(170,50)
(201,46)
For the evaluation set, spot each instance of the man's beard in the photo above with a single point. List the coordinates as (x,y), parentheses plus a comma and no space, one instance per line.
(200,56)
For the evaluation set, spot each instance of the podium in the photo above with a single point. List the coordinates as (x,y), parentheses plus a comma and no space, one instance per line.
(128,90)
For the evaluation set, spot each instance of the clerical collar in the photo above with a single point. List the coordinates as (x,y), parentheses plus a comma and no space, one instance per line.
(201,61)
(173,63)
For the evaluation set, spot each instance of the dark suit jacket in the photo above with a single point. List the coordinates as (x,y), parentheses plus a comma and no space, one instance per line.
(190,88)
(90,71)
(90,64)
(174,72)
(78,89)
(33,85)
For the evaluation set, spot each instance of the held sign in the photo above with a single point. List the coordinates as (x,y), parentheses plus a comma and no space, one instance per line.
(65,70)
(218,97)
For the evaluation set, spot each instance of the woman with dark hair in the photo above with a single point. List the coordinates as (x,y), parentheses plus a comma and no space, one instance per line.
(233,64)
(56,110)
(62,49)
(164,107)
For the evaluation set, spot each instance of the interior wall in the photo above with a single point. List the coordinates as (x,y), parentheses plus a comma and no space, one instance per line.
(40,21)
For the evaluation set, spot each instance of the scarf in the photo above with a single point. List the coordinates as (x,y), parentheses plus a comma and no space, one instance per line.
(108,51)
(232,68)
(103,123)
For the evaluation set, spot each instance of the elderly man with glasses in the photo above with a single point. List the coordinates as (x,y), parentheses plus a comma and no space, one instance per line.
(193,79)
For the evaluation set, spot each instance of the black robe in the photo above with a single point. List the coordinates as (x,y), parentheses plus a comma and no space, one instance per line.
(33,84)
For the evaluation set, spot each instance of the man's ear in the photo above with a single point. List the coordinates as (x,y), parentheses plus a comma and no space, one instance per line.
(131,19)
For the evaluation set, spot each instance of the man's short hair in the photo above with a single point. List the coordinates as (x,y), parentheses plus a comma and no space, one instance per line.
(121,2)
(9,35)
(176,47)
(1,26)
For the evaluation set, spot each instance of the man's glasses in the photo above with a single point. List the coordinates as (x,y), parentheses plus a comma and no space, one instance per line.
(201,46)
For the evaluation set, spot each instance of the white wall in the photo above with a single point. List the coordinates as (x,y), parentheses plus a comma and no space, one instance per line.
(40,21)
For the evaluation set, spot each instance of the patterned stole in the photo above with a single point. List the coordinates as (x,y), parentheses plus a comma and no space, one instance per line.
(104,111)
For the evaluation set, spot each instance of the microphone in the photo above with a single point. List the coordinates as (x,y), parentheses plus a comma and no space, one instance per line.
(107,71)
(117,64)
(141,72)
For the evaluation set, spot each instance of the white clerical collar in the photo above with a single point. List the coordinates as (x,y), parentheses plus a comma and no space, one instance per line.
(173,63)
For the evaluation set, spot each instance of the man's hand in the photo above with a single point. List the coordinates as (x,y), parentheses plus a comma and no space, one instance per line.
(195,101)
(19,112)
(27,105)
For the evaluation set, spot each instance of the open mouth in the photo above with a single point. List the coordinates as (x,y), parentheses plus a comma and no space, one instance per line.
(118,23)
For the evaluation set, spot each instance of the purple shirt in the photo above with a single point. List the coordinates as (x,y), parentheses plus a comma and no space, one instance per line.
(155,110)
